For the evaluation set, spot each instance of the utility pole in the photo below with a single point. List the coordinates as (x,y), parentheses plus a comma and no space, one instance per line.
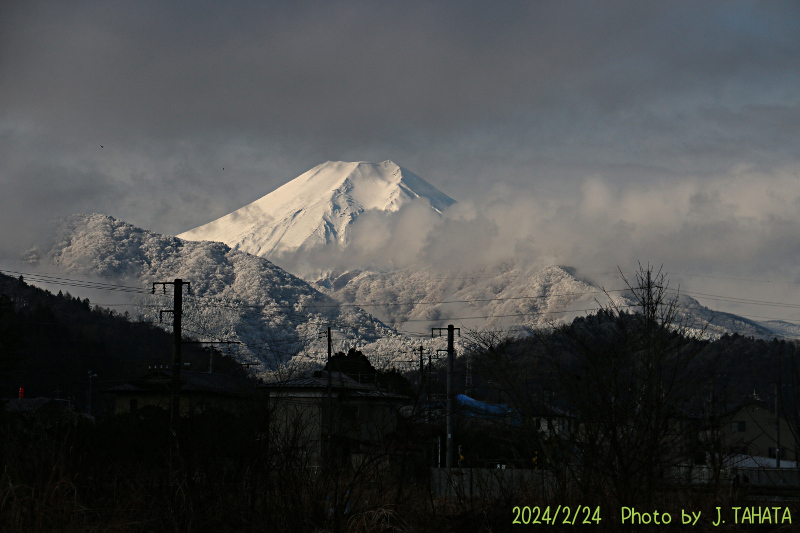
(421,369)
(211,352)
(778,398)
(423,392)
(422,385)
(177,311)
(330,393)
(777,429)
(468,380)
(89,403)
(450,354)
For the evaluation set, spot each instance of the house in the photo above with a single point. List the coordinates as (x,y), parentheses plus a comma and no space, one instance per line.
(51,410)
(331,414)
(751,429)
(199,391)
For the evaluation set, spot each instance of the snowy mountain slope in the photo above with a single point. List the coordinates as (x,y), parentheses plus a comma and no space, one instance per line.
(515,297)
(506,295)
(306,222)
(235,295)
(317,208)
(279,317)
(782,328)
(719,323)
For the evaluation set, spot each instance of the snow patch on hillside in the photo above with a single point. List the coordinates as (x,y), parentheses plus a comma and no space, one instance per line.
(506,295)
(235,295)
(317,209)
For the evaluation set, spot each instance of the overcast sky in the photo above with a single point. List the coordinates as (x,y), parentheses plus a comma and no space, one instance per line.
(586,133)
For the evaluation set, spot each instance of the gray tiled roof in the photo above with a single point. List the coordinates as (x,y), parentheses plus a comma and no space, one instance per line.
(190,382)
(339,381)
(23,405)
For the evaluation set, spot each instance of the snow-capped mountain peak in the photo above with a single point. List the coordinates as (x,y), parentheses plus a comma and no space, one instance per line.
(317,208)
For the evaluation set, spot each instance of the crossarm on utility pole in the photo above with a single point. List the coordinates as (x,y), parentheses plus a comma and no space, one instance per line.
(450,354)
(177,312)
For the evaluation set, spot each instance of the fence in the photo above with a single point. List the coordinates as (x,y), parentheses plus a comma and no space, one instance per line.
(699,475)
(767,476)
(490,482)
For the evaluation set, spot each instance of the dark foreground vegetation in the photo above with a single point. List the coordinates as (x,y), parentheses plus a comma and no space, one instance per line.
(226,473)
(49,343)
(610,412)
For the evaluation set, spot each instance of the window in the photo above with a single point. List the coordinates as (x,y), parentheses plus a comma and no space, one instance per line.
(771,452)
(738,427)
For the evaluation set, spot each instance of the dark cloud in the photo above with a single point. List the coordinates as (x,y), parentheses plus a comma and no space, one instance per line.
(364,69)
(549,100)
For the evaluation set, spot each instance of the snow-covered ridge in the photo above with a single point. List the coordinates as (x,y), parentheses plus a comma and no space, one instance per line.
(508,295)
(515,297)
(235,295)
(317,208)
(279,317)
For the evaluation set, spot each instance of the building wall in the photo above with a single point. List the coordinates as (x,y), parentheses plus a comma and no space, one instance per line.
(190,403)
(751,430)
(297,423)
(305,421)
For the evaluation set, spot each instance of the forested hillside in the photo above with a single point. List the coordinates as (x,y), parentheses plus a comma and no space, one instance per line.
(737,366)
(49,343)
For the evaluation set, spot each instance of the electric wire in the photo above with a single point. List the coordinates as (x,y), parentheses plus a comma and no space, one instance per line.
(215,302)
(45,278)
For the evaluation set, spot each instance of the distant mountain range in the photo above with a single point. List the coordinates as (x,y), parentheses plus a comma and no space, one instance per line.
(239,294)
(514,297)
(507,295)
(316,210)
(234,295)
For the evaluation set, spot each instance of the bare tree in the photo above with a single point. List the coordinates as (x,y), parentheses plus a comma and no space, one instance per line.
(631,379)
(790,400)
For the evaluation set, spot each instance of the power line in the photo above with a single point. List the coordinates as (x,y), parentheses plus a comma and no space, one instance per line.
(234,305)
(56,280)
(240,305)
(735,299)
(737,279)
(533,313)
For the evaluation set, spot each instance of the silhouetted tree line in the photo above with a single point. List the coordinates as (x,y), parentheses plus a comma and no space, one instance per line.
(741,364)
(49,342)
(357,366)
(623,377)
(614,403)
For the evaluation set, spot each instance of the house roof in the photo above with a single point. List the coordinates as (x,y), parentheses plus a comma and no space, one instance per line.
(340,382)
(480,408)
(30,405)
(161,380)
(748,402)
(319,380)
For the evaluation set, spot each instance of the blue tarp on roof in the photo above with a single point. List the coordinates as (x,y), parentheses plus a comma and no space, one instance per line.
(479,408)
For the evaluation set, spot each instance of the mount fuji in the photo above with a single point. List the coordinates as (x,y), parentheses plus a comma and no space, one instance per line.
(385,313)
(316,213)
(318,208)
